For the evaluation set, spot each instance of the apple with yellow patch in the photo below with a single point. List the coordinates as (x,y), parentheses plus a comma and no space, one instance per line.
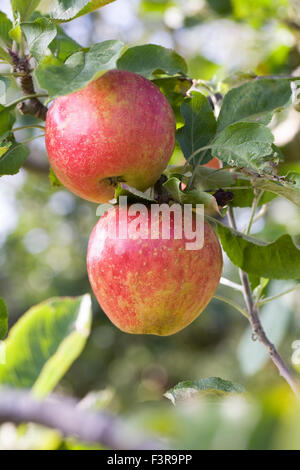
(151,286)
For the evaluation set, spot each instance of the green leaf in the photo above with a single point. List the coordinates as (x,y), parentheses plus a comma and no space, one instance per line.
(4,146)
(16,34)
(5,26)
(14,157)
(207,386)
(63,46)
(276,260)
(193,196)
(39,35)
(275,318)
(92,6)
(150,59)
(244,144)
(54,181)
(67,10)
(209,178)
(3,319)
(45,342)
(238,78)
(4,85)
(132,194)
(244,194)
(79,69)
(200,127)
(174,88)
(286,190)
(24,8)
(254,101)
(7,119)
(5,56)
(294,178)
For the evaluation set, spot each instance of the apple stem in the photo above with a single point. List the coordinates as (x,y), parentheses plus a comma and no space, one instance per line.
(257,326)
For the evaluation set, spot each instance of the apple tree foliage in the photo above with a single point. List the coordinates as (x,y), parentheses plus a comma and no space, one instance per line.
(228,120)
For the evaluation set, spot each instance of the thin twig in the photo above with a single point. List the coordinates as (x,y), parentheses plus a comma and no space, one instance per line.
(259,215)
(257,326)
(32,126)
(232,304)
(31,139)
(233,285)
(63,414)
(257,195)
(274,297)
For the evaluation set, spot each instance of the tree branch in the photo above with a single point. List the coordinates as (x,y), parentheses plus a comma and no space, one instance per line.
(32,106)
(101,427)
(257,326)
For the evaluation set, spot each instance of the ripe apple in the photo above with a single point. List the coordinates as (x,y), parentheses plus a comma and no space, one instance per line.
(120,127)
(151,286)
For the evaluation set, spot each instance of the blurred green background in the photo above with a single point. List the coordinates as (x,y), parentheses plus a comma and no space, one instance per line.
(44,233)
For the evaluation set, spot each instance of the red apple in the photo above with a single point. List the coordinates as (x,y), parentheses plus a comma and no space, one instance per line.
(120,127)
(151,286)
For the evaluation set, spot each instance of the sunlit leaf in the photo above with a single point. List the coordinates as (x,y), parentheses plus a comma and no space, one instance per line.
(4,85)
(193,196)
(148,59)
(5,56)
(276,260)
(132,194)
(24,8)
(45,342)
(244,144)
(254,101)
(54,181)
(5,26)
(16,34)
(63,45)
(286,190)
(78,70)
(66,10)
(93,5)
(39,35)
